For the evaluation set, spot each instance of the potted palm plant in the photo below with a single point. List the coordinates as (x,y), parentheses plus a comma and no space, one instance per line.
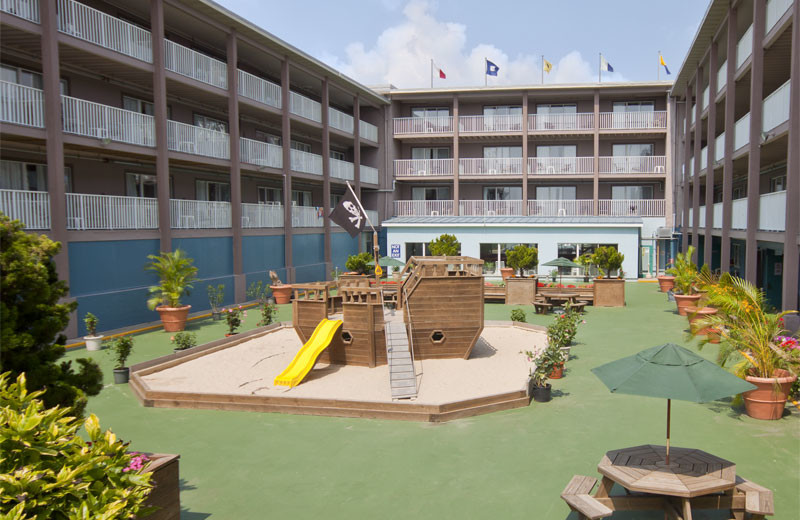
(121,348)
(93,340)
(176,274)
(685,273)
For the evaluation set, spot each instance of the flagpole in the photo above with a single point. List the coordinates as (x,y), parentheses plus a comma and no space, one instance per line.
(485,71)
(542,69)
(600,68)
(658,67)
(431,72)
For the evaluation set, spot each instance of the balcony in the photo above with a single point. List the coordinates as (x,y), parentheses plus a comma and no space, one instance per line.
(633,164)
(540,123)
(98,121)
(775,11)
(32,208)
(88,24)
(496,166)
(772,211)
(561,165)
(199,214)
(422,208)
(197,140)
(693,112)
(340,121)
(27,9)
(423,167)
(21,105)
(86,211)
(744,48)
(705,99)
(260,153)
(741,132)
(369,174)
(259,216)
(480,208)
(719,147)
(305,107)
(776,107)
(342,170)
(306,216)
(722,76)
(631,207)
(656,120)
(490,124)
(306,162)
(561,208)
(423,125)
(704,158)
(257,89)
(368,131)
(739,214)
(192,64)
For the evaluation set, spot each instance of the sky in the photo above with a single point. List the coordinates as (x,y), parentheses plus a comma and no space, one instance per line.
(377,42)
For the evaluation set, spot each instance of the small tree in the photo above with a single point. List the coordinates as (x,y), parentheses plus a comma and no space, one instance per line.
(444,245)
(90,320)
(607,259)
(216,296)
(359,263)
(522,257)
(121,349)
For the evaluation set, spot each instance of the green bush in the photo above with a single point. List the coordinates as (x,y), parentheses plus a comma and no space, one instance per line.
(444,245)
(90,320)
(216,296)
(184,340)
(359,263)
(518,315)
(268,313)
(176,274)
(121,349)
(522,257)
(607,259)
(563,329)
(48,471)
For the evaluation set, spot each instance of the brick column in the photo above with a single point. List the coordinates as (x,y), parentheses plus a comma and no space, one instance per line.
(727,166)
(286,141)
(596,178)
(525,153)
(326,175)
(160,121)
(239,287)
(790,252)
(456,195)
(711,134)
(687,158)
(698,144)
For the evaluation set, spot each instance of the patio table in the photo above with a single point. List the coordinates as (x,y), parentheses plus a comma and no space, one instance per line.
(560,297)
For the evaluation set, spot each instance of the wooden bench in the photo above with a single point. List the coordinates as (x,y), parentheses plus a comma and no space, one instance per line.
(577,497)
(542,307)
(579,306)
(757,499)
(494,292)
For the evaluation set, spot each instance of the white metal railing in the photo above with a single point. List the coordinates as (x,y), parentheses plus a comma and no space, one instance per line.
(551,122)
(195,65)
(722,76)
(772,211)
(260,153)
(341,121)
(91,119)
(717,213)
(741,132)
(305,107)
(482,208)
(306,216)
(306,162)
(85,211)
(258,89)
(262,215)
(719,147)
(560,165)
(423,125)
(373,216)
(91,25)
(21,105)
(422,167)
(701,220)
(342,170)
(694,111)
(776,107)
(704,158)
(495,166)
(633,164)
(775,10)
(633,120)
(631,207)
(490,124)
(197,140)
(369,174)
(744,48)
(560,208)
(368,131)
(27,9)
(420,208)
(199,214)
(739,214)
(32,208)
(705,98)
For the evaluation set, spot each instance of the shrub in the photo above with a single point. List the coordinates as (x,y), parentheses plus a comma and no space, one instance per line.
(259,291)
(91,324)
(518,315)
(359,263)
(184,340)
(564,328)
(607,259)
(522,257)
(268,313)
(176,274)
(49,471)
(216,295)
(444,245)
(121,349)
(233,317)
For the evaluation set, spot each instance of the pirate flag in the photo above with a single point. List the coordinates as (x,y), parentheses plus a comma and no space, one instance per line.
(348,215)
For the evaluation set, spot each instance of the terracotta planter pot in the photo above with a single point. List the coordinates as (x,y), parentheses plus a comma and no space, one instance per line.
(281,293)
(698,314)
(174,318)
(506,272)
(686,302)
(228,334)
(768,400)
(665,283)
(557,372)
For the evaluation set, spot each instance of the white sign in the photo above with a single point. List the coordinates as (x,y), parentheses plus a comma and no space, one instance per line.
(395,250)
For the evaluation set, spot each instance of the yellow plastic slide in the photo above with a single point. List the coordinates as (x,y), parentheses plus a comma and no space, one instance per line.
(305,358)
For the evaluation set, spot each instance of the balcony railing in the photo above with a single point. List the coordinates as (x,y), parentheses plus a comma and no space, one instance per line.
(741,132)
(776,107)
(772,211)
(341,121)
(775,10)
(369,174)
(704,158)
(739,214)
(258,89)
(423,125)
(262,216)
(305,107)
(90,119)
(555,122)
(560,165)
(421,208)
(342,170)
(633,164)
(27,9)
(260,153)
(722,76)
(482,208)
(86,211)
(199,214)
(368,131)
(21,105)
(489,124)
(560,208)
(186,62)
(423,167)
(719,147)
(306,162)
(306,216)
(32,208)
(91,25)
(692,113)
(493,166)
(197,140)
(705,98)
(631,207)
(744,48)
(633,120)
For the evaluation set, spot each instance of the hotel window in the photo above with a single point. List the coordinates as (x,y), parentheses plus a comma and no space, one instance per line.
(739,191)
(138,105)
(633,149)
(273,196)
(551,109)
(210,123)
(140,185)
(435,193)
(28,78)
(634,106)
(564,155)
(336,198)
(628,114)
(496,118)
(557,150)
(301,198)
(415,249)
(556,192)
(495,254)
(507,110)
(266,137)
(502,152)
(502,193)
(430,112)
(777,184)
(23,176)
(302,147)
(430,153)
(339,156)
(213,191)
(555,116)
(631,192)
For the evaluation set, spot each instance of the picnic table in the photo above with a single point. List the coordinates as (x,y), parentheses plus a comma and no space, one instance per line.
(563,296)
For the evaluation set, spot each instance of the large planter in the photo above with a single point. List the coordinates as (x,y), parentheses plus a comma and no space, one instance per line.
(698,314)
(121,375)
(520,291)
(768,400)
(506,272)
(665,283)
(94,343)
(282,293)
(165,495)
(685,302)
(609,292)
(174,318)
(541,394)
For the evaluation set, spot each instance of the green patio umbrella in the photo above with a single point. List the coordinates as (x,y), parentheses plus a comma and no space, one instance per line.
(670,372)
(561,262)
(387,261)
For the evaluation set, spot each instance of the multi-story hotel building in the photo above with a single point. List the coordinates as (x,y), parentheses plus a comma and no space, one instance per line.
(737,144)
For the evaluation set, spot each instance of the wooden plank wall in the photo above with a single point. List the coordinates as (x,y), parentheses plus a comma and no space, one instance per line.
(364,322)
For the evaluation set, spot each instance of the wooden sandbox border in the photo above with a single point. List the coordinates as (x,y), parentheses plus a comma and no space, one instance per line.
(405,411)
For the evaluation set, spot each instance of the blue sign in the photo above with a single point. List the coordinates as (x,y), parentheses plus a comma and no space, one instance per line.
(395,250)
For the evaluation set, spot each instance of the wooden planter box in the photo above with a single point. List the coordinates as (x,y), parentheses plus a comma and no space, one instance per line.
(520,291)
(609,292)
(166,493)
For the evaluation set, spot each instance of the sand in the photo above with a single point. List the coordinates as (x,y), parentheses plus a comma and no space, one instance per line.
(495,366)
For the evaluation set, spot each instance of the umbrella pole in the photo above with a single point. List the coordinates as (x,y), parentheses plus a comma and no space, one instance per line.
(669,409)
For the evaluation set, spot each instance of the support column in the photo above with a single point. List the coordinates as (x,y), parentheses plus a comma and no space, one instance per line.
(727,166)
(756,127)
(357,145)
(687,161)
(711,134)
(239,286)
(326,175)
(668,182)
(698,144)
(456,195)
(525,154)
(790,252)
(160,122)
(286,142)
(596,178)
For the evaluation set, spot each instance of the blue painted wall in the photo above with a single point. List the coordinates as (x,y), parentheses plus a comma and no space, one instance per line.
(213,257)
(342,246)
(308,253)
(260,254)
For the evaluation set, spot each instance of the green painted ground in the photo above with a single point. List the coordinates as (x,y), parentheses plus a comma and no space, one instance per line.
(513,464)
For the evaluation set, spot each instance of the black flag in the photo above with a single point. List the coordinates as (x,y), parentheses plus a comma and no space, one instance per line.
(348,215)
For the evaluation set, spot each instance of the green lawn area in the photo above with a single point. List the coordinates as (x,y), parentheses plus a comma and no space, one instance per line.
(513,464)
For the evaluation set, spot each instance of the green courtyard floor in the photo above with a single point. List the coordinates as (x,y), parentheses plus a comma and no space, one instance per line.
(514,464)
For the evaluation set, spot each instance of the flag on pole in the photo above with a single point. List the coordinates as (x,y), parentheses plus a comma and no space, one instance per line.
(663,63)
(349,215)
(605,65)
(442,75)
(547,66)
(491,68)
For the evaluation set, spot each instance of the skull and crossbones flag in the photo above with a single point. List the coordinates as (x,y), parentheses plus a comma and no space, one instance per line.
(348,215)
